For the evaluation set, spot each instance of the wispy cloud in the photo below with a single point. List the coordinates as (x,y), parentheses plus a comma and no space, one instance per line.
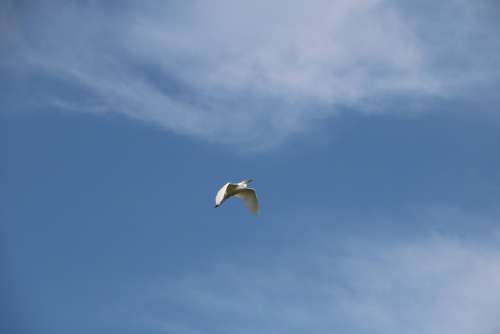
(435,285)
(203,68)
(429,283)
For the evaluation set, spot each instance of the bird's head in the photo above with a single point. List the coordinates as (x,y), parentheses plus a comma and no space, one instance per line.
(246,182)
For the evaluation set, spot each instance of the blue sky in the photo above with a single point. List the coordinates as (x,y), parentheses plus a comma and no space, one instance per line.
(371,129)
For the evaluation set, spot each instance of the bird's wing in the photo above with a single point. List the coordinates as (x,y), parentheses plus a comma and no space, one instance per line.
(250,197)
(221,194)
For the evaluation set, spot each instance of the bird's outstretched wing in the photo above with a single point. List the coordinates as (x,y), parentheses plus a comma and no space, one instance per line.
(228,188)
(220,194)
(249,196)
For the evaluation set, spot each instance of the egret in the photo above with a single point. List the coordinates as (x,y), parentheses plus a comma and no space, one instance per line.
(240,190)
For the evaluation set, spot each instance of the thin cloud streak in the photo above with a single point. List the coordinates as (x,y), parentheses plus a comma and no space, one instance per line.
(236,73)
(433,284)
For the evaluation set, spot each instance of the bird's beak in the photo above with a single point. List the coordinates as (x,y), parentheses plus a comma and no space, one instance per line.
(216,206)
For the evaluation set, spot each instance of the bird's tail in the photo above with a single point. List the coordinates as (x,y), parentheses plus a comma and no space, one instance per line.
(246,181)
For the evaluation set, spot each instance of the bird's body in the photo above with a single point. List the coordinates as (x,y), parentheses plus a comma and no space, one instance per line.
(241,190)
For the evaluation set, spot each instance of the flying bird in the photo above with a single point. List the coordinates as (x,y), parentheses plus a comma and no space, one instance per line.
(241,190)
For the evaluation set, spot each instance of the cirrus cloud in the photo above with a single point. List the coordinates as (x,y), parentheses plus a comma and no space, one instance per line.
(252,73)
(434,284)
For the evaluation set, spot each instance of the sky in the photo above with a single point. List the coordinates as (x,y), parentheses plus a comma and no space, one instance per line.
(371,130)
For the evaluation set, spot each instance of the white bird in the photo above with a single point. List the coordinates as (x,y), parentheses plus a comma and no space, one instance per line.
(241,190)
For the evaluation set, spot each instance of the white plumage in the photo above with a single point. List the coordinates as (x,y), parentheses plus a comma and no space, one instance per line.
(240,190)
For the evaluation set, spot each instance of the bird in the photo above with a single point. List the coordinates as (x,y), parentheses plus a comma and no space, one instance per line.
(240,190)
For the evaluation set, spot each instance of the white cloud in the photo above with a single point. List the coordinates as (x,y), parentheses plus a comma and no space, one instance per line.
(440,285)
(340,50)
(433,284)
(269,68)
